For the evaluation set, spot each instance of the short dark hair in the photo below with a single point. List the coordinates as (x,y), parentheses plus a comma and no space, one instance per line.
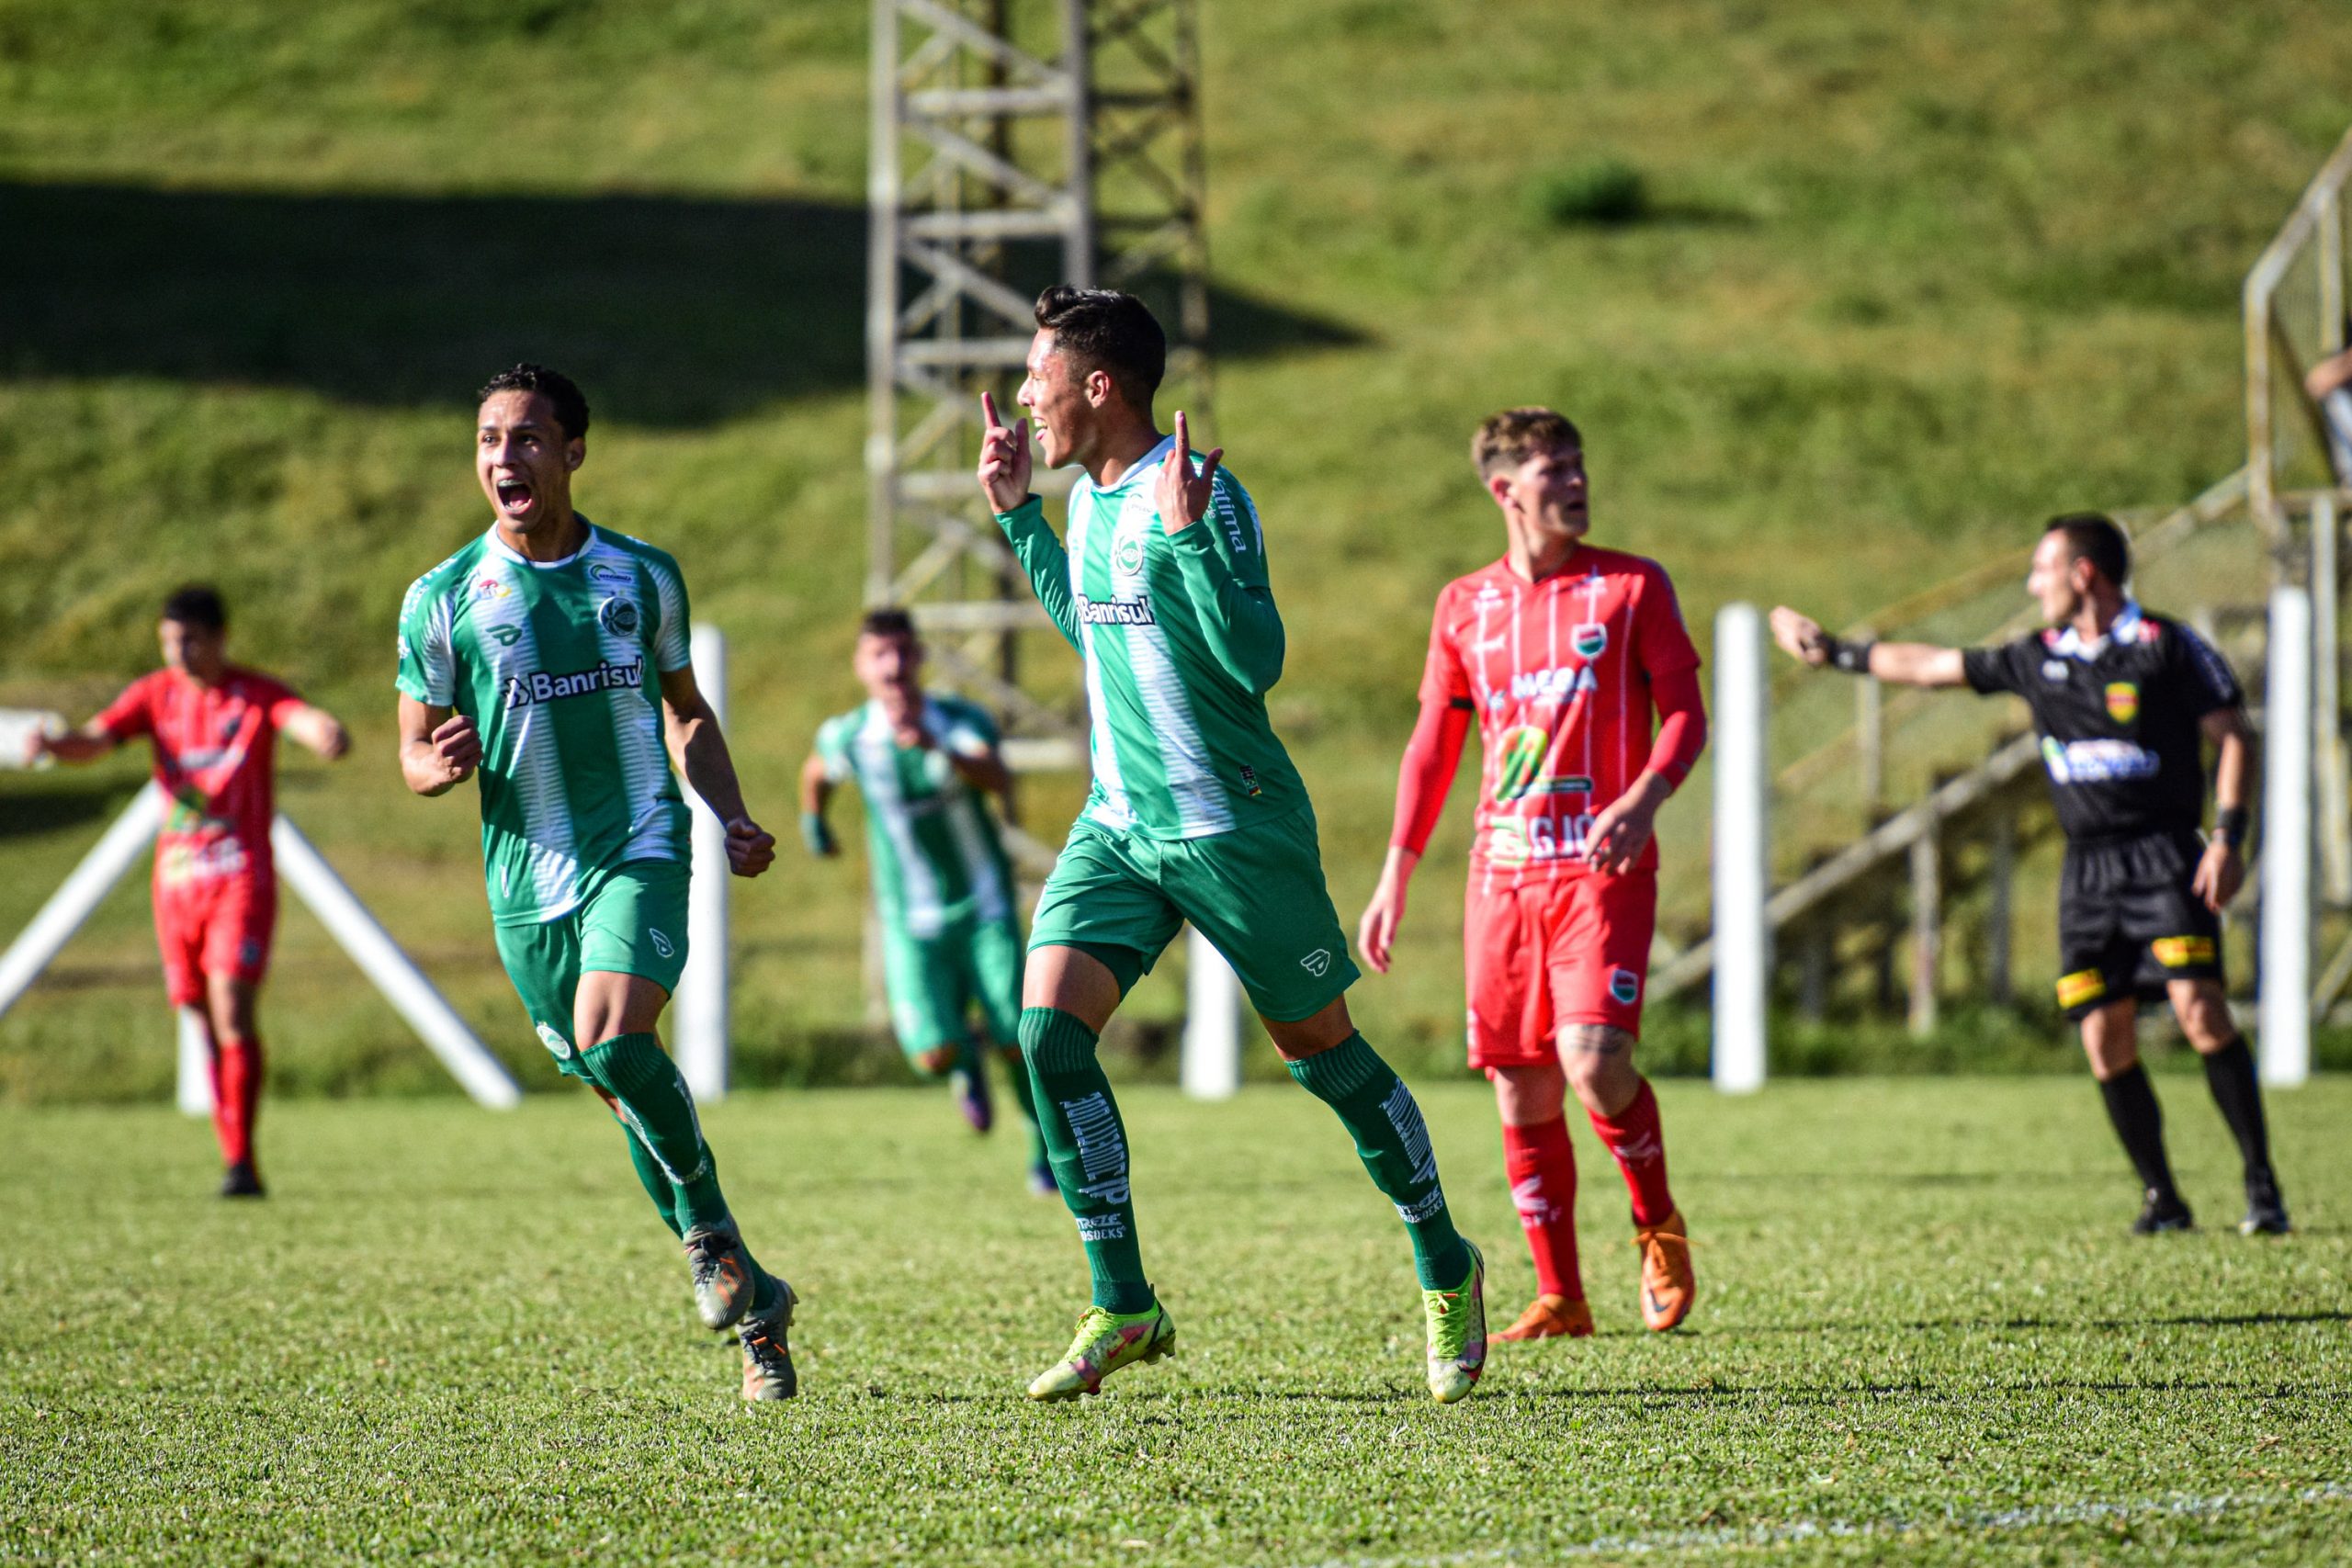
(2094,537)
(1506,440)
(562,393)
(1102,329)
(196,604)
(887,620)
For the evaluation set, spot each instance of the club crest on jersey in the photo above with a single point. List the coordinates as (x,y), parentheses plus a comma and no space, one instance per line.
(618,615)
(1625,985)
(2122,701)
(1126,554)
(1589,638)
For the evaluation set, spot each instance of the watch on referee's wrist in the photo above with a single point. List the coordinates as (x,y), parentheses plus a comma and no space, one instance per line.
(1852,657)
(2230,825)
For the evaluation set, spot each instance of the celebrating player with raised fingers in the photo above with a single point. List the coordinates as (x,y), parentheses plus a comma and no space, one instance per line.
(1561,652)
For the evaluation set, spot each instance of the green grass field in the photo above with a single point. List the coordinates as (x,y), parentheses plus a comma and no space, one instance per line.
(451,1335)
(1909,278)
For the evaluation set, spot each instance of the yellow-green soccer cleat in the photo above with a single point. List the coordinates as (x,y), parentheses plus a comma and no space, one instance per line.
(1106,1341)
(767,1358)
(1457,1320)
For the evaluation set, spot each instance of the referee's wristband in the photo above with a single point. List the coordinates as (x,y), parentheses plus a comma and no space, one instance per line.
(816,833)
(1853,658)
(2230,825)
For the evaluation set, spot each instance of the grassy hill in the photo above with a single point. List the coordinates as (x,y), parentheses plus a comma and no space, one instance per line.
(1908,278)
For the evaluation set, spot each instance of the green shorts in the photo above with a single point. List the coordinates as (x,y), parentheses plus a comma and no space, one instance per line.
(631,920)
(935,981)
(1257,893)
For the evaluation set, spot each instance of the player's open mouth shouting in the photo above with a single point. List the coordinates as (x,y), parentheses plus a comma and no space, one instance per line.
(513,496)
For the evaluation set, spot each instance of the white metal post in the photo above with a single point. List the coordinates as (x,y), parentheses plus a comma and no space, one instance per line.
(1212,1066)
(83,889)
(381,959)
(1742,862)
(2284,1012)
(701,1018)
(195,1094)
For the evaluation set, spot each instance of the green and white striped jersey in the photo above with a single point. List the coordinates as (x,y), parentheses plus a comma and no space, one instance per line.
(556,663)
(931,837)
(1181,641)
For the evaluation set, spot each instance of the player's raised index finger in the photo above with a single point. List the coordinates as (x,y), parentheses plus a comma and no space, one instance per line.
(1183,436)
(988,410)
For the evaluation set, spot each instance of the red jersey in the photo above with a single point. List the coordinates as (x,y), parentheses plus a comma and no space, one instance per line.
(1559,674)
(215,748)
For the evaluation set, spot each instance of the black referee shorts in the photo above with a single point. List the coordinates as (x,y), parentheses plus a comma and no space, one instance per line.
(2128,922)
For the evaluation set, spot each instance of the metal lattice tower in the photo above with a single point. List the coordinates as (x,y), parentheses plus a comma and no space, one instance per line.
(1015,144)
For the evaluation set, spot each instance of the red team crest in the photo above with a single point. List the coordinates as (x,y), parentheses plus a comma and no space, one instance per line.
(1559,674)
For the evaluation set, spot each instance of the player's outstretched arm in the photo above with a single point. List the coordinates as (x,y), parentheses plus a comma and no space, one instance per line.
(1238,618)
(315,729)
(816,794)
(700,752)
(1904,663)
(439,748)
(1423,780)
(86,744)
(1004,478)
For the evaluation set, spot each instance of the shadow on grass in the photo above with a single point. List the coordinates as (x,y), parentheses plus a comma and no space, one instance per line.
(2013,1325)
(28,810)
(675,311)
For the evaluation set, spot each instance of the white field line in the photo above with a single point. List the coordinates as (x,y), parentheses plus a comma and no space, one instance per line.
(1953,1521)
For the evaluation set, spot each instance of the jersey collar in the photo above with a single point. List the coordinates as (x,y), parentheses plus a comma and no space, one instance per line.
(499,547)
(2072,645)
(1148,462)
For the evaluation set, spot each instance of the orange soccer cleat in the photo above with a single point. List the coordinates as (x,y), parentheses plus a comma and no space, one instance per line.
(1667,1284)
(1552,1317)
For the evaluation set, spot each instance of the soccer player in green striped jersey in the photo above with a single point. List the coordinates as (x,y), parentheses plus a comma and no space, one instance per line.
(1196,814)
(925,763)
(549,657)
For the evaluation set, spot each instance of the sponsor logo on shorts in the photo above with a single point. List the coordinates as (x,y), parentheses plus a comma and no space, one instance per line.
(1589,638)
(539,686)
(1625,985)
(2122,701)
(2180,952)
(618,615)
(2082,985)
(554,1042)
(1116,611)
(660,944)
(1317,962)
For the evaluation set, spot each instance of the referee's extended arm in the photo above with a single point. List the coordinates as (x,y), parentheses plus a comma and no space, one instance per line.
(1904,663)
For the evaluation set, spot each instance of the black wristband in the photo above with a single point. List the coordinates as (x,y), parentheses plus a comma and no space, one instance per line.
(1853,658)
(2230,825)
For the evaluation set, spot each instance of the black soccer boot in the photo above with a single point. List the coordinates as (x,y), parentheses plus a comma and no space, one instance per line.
(2266,1211)
(241,1181)
(2163,1210)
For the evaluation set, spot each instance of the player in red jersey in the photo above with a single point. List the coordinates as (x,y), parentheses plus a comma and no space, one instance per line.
(214,729)
(1562,651)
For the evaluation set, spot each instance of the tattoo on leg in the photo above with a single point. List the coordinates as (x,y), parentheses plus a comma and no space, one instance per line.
(1600,1039)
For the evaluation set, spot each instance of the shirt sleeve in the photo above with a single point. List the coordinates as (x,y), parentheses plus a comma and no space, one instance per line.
(674,639)
(2001,669)
(1047,563)
(1444,683)
(832,749)
(277,701)
(428,664)
(1661,640)
(971,732)
(2203,673)
(130,713)
(1222,560)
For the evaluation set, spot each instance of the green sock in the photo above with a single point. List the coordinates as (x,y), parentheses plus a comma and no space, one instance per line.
(649,1172)
(1377,1107)
(1016,1076)
(655,1102)
(1087,1144)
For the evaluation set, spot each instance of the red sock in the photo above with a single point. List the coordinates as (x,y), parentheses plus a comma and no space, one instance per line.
(1542,1170)
(1632,1136)
(236,1097)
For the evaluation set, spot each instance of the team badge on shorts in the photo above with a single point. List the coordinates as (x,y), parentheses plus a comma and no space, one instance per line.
(1589,638)
(2122,701)
(618,615)
(1625,985)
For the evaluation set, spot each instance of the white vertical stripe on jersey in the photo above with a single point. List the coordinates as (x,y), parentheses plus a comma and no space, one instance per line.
(991,900)
(535,756)
(878,755)
(636,728)
(1200,803)
(1114,811)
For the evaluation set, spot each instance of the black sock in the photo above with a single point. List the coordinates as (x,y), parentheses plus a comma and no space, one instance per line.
(2132,1106)
(2228,1073)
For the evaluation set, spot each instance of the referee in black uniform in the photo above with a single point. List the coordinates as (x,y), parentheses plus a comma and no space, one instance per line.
(2124,701)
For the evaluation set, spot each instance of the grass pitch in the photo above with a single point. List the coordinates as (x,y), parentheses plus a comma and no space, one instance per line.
(455,1336)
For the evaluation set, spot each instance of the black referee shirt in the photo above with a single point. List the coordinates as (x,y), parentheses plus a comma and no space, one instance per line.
(2118,719)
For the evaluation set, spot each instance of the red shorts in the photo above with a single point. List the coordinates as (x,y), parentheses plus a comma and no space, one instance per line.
(214,925)
(1551,952)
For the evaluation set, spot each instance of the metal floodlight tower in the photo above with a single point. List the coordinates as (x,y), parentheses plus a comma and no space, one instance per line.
(996,137)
